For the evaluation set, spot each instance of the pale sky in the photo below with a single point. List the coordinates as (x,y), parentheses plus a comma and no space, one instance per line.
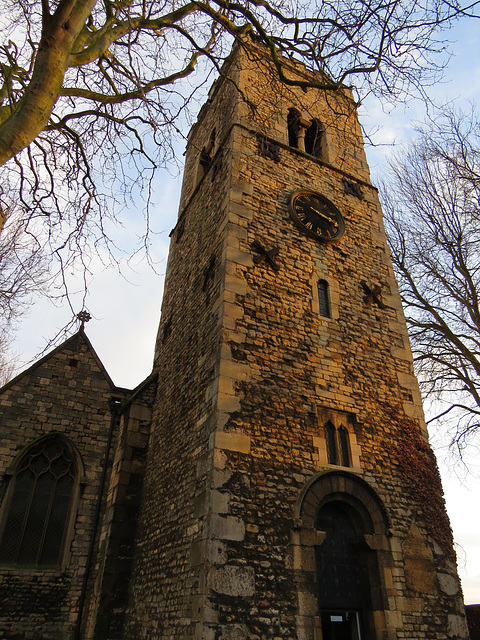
(126,309)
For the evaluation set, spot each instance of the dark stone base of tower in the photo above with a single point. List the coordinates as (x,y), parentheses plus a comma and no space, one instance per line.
(272,478)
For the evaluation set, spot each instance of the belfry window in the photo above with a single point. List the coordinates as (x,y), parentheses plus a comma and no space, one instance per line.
(314,138)
(293,123)
(206,156)
(39,504)
(337,444)
(323,301)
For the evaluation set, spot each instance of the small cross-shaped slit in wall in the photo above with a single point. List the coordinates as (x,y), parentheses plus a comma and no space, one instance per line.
(265,255)
(372,294)
(209,272)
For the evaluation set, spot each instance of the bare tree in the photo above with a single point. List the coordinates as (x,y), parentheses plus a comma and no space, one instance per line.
(432,207)
(93,90)
(23,269)
(7,364)
(89,82)
(23,273)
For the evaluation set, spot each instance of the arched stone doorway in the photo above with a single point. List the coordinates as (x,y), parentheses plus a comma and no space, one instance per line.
(341,554)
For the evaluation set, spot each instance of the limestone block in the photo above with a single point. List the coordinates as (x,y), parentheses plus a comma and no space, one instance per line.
(236,285)
(420,574)
(219,459)
(226,385)
(203,464)
(407,381)
(457,627)
(415,411)
(239,257)
(304,558)
(379,617)
(236,195)
(415,545)
(241,210)
(197,553)
(227,402)
(217,552)
(448,584)
(232,441)
(236,230)
(220,478)
(234,632)
(244,187)
(232,310)
(394,619)
(220,502)
(199,504)
(307,603)
(231,580)
(227,528)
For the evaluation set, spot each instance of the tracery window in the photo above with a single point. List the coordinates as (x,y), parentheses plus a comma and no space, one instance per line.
(39,502)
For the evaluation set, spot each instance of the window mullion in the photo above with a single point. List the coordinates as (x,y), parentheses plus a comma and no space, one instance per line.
(45,524)
(26,516)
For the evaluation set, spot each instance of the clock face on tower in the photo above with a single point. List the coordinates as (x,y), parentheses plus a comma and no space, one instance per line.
(316,216)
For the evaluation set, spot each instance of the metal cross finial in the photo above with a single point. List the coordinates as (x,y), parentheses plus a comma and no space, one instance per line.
(84,317)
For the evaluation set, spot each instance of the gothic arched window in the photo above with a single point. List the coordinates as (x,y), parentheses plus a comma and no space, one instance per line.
(343,446)
(39,503)
(331,443)
(314,138)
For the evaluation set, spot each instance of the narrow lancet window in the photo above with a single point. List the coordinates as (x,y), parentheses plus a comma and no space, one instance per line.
(331,443)
(343,447)
(323,302)
(337,444)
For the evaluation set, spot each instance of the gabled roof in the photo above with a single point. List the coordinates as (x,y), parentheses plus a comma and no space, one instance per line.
(79,335)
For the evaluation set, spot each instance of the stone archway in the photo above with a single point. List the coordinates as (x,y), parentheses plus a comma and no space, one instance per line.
(341,555)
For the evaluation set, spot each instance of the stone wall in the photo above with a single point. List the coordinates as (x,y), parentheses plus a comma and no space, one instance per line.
(67,393)
(108,593)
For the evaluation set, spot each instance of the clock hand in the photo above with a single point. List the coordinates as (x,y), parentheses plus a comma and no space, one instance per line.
(324,215)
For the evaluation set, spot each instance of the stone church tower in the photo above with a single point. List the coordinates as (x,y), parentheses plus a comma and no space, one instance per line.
(290,491)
